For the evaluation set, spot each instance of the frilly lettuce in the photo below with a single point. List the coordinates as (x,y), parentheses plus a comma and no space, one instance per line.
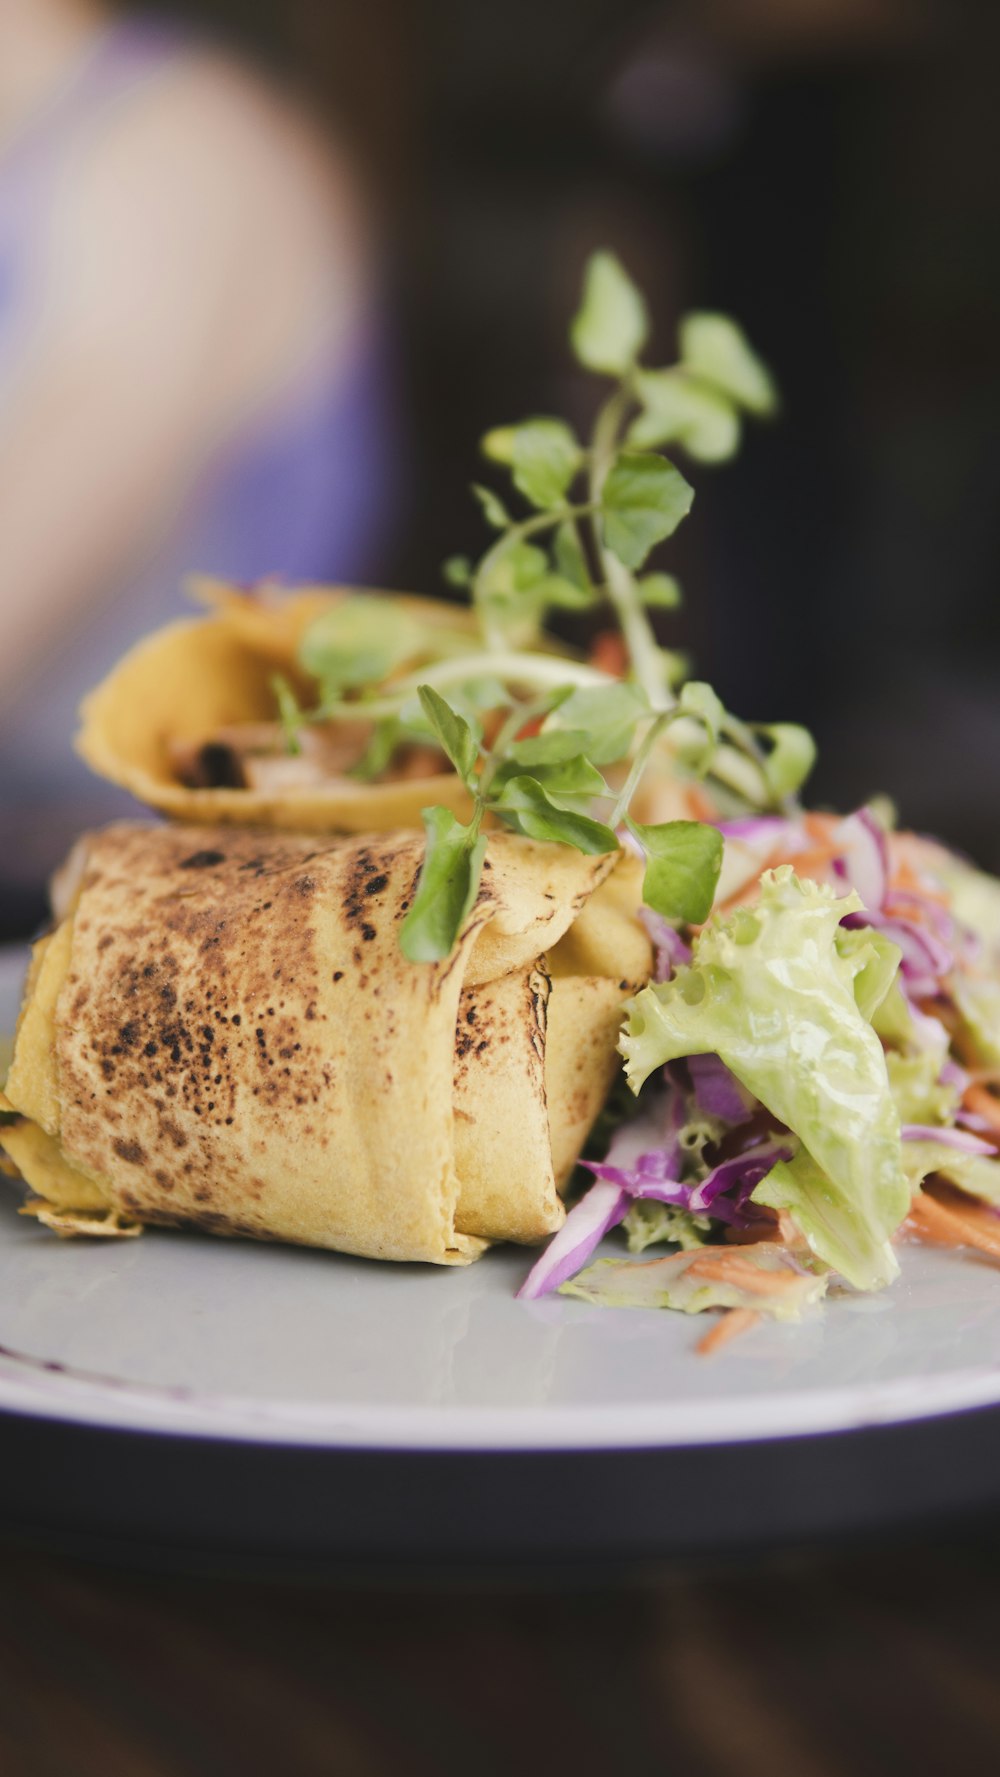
(648,1223)
(774,991)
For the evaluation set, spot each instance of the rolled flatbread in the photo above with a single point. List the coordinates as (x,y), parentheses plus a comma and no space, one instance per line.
(184,685)
(223,1032)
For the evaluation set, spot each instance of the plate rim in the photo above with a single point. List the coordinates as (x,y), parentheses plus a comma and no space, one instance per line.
(40,1388)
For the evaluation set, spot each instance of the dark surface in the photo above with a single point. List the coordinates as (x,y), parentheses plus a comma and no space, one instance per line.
(261,1508)
(811,1665)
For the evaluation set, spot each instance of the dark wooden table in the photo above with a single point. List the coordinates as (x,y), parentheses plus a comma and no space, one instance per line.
(818,1664)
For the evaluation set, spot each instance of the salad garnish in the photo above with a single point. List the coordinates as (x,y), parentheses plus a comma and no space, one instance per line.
(817,1059)
(847,1100)
(552,747)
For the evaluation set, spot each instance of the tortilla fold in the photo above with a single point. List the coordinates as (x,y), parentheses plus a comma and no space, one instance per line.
(200,675)
(223,1032)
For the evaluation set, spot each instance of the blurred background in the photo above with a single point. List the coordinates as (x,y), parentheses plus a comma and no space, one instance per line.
(267,272)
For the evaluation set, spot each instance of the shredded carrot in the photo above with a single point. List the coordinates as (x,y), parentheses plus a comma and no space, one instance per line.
(820,826)
(802,863)
(730,1325)
(749,890)
(905,906)
(609,654)
(700,807)
(945,1217)
(720,1266)
(904,882)
(813,859)
(980,1099)
(530,729)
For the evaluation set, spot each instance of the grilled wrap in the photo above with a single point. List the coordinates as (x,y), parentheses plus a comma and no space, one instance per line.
(223,1032)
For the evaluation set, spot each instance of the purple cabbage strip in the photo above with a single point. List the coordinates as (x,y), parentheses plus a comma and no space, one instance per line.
(603,1207)
(960,1139)
(864,862)
(651,1135)
(670,947)
(972,1120)
(716,1091)
(739,1176)
(953,1075)
(724,1195)
(755,826)
(924,958)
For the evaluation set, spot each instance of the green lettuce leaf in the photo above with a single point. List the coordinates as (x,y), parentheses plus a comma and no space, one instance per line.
(921,1097)
(876,960)
(649,1222)
(978,1002)
(672,1283)
(975,897)
(975,1173)
(772,992)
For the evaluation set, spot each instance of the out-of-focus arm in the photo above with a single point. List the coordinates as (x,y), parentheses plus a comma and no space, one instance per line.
(146,338)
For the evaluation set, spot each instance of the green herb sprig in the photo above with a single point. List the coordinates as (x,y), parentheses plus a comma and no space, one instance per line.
(544,787)
(595,510)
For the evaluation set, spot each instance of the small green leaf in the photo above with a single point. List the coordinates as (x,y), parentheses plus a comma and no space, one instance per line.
(564,594)
(470,700)
(714,348)
(513,588)
(570,560)
(386,737)
(494,510)
(605,716)
(358,642)
(564,780)
(498,445)
(552,747)
(517,569)
(683,861)
(457,738)
(644,499)
(290,712)
(678,408)
(662,592)
(791,759)
(457,570)
(525,806)
(698,699)
(545,460)
(446,889)
(611,325)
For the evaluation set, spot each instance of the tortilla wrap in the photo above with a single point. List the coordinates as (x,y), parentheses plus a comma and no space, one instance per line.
(223,1031)
(200,675)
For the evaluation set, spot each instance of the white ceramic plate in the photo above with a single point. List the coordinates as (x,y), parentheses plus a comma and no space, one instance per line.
(185,1334)
(177,1397)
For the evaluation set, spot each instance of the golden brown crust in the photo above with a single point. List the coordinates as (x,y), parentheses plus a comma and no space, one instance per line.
(240,1045)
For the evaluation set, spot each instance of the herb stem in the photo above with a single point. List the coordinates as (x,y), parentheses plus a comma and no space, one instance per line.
(548,672)
(508,731)
(638,766)
(640,640)
(493,634)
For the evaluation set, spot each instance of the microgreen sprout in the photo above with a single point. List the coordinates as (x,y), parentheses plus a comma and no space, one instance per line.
(595,510)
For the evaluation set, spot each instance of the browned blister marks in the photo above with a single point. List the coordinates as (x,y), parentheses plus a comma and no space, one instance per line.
(188,1035)
(246,1029)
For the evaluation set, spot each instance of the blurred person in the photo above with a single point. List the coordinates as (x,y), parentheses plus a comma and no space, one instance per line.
(192,371)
